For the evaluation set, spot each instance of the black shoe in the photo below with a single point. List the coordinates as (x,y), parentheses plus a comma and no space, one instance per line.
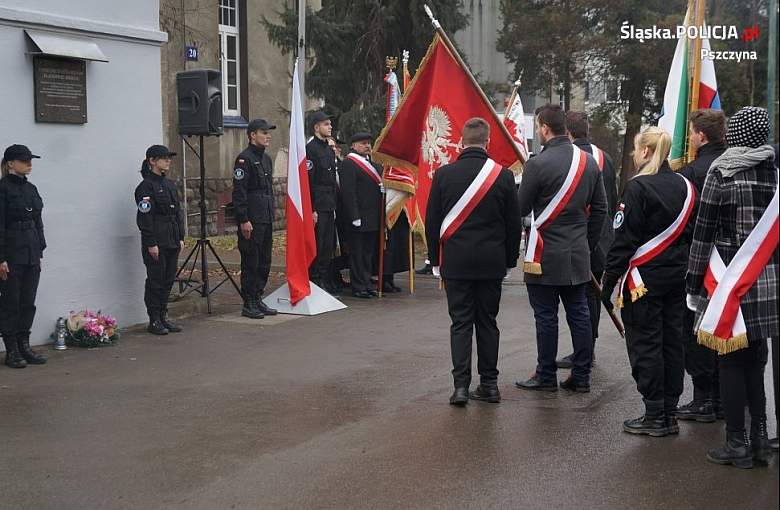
(759,443)
(363,294)
(13,358)
(427,269)
(697,410)
(459,397)
(30,356)
(671,424)
(372,293)
(735,452)
(573,385)
(389,288)
(566,361)
(170,326)
(156,327)
(717,407)
(652,423)
(265,309)
(251,311)
(486,394)
(535,384)
(773,444)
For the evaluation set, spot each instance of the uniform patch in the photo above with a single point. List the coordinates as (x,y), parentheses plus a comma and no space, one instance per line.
(309,165)
(238,174)
(144,205)
(619,217)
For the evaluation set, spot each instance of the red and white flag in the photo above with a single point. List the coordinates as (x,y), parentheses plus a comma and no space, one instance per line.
(514,120)
(301,245)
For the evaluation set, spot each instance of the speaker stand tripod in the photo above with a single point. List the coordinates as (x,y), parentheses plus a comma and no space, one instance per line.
(202,247)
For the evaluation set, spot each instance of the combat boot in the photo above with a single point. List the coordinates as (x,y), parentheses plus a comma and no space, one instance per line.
(265,309)
(156,327)
(250,309)
(13,358)
(170,326)
(759,443)
(699,409)
(736,451)
(30,356)
(652,423)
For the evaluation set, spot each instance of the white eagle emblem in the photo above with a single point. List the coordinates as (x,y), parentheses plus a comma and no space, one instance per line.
(437,143)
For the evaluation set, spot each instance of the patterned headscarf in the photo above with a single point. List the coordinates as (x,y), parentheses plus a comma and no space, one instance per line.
(749,127)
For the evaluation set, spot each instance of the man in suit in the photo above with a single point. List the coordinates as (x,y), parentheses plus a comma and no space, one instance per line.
(472,245)
(361,196)
(577,129)
(563,188)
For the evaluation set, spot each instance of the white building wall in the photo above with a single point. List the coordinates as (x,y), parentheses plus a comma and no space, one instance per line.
(88,172)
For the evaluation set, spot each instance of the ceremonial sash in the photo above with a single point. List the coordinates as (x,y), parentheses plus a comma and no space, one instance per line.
(654,247)
(467,202)
(722,326)
(533,255)
(598,155)
(366,166)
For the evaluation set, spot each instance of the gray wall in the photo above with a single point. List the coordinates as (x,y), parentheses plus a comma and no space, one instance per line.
(88,172)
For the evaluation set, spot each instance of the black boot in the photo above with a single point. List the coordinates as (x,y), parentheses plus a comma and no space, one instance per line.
(13,358)
(426,269)
(30,356)
(759,443)
(170,326)
(670,418)
(736,451)
(250,309)
(267,310)
(652,423)
(699,409)
(156,327)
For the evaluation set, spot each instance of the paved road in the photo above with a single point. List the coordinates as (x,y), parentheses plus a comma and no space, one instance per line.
(344,410)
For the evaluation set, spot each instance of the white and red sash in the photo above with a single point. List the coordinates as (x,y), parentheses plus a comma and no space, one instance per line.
(467,203)
(654,247)
(598,155)
(533,255)
(722,326)
(366,166)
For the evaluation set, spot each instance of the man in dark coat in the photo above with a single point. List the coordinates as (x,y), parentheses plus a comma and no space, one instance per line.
(707,130)
(562,270)
(361,195)
(473,258)
(577,129)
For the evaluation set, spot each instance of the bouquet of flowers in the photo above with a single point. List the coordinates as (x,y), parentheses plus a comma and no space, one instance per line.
(91,329)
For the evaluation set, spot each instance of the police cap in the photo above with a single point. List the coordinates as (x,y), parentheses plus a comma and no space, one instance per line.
(259,124)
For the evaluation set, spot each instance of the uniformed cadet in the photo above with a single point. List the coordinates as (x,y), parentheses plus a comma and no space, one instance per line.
(656,215)
(323,186)
(253,202)
(161,222)
(361,194)
(21,250)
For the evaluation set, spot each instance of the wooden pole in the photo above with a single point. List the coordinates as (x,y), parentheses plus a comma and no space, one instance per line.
(612,315)
(695,60)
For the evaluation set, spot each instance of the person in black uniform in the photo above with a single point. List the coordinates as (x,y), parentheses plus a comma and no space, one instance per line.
(253,203)
(577,129)
(21,250)
(474,260)
(361,194)
(323,187)
(396,258)
(161,222)
(652,201)
(707,131)
(342,225)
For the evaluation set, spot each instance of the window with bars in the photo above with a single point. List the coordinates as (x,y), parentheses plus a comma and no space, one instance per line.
(229,53)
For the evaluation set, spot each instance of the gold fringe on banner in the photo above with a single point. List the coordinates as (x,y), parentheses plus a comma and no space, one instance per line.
(722,345)
(532,267)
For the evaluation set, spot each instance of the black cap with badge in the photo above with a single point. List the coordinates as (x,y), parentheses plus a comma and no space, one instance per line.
(259,124)
(18,152)
(159,151)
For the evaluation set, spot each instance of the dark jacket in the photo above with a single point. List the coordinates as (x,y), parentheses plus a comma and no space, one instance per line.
(21,226)
(159,217)
(488,241)
(598,257)
(360,196)
(322,175)
(574,234)
(651,203)
(253,192)
(697,169)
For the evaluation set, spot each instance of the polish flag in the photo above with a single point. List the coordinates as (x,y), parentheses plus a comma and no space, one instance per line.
(301,246)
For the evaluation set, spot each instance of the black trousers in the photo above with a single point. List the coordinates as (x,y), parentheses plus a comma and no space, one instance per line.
(594,306)
(474,304)
(17,299)
(325,234)
(654,337)
(362,245)
(544,300)
(742,383)
(160,275)
(255,259)
(701,362)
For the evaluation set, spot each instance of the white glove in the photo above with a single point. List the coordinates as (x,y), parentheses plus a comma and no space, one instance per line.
(357,223)
(692,302)
(436,271)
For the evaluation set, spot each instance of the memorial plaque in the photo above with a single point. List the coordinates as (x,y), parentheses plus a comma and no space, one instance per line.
(60,90)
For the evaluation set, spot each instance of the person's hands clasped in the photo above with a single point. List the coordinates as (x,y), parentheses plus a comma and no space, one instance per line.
(246,229)
(154,252)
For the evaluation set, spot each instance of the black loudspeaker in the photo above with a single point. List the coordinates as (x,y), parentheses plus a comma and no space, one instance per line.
(200,102)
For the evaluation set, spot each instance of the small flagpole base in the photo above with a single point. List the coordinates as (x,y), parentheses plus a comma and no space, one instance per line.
(315,303)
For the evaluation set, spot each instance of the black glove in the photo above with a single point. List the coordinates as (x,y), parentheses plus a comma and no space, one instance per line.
(607,288)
